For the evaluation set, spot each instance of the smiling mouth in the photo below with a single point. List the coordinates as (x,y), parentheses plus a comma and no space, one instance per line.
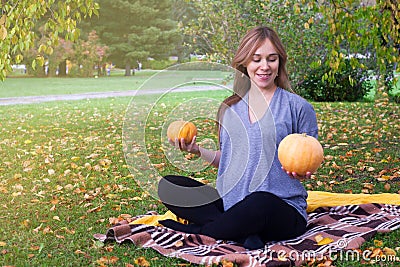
(264,76)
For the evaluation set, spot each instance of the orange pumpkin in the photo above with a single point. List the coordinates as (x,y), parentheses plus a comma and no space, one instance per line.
(300,153)
(182,129)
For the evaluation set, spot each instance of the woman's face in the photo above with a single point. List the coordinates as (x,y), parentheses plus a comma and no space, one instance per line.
(263,66)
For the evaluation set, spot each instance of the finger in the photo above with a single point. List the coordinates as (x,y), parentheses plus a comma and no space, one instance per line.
(182,144)
(176,144)
(308,175)
(171,141)
(193,140)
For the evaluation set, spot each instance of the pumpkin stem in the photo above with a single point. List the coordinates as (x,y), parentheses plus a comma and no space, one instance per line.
(304,134)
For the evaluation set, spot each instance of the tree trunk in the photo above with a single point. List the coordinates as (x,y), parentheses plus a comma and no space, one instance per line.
(62,69)
(128,69)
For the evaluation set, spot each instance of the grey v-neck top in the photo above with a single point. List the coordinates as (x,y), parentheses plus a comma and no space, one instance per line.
(249,160)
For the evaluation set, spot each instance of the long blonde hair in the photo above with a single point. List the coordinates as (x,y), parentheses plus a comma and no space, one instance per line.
(253,39)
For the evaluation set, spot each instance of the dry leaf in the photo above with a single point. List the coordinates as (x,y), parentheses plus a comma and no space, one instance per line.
(369,186)
(323,240)
(378,243)
(376,252)
(179,243)
(141,261)
(389,251)
(387,187)
(226,263)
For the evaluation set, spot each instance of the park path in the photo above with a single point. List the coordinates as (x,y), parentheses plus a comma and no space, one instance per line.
(47,98)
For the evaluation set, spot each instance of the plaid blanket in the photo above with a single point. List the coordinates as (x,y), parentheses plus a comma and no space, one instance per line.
(329,231)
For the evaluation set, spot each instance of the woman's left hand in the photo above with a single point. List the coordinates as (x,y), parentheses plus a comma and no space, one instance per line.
(294,175)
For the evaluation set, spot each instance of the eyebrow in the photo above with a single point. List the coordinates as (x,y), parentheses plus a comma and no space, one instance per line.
(273,54)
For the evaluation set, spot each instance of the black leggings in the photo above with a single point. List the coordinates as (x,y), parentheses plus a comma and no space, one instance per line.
(260,214)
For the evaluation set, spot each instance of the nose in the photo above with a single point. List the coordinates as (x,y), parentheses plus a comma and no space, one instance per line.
(264,64)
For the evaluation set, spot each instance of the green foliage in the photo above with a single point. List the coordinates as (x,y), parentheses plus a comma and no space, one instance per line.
(18,18)
(314,32)
(367,29)
(136,30)
(349,84)
(221,24)
(157,64)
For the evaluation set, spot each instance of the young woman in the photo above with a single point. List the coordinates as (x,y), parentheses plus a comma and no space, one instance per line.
(256,200)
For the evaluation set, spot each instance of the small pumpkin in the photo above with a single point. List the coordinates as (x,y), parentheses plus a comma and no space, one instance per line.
(182,129)
(300,153)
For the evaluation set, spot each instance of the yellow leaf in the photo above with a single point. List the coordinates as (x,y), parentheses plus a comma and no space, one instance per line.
(378,243)
(75,158)
(389,251)
(323,240)
(179,243)
(3,20)
(141,261)
(3,32)
(226,263)
(27,141)
(2,244)
(318,238)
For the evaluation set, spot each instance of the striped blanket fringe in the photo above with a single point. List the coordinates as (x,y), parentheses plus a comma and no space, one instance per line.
(345,228)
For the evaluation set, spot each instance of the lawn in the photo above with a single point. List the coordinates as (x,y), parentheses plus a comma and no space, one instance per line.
(64,175)
(143,80)
(14,87)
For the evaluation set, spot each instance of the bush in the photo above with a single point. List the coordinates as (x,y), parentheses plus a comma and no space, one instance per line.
(157,64)
(395,96)
(349,84)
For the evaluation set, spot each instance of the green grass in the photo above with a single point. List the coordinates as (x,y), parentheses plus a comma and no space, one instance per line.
(144,80)
(63,172)
(14,87)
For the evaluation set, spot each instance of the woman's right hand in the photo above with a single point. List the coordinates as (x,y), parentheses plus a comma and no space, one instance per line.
(180,144)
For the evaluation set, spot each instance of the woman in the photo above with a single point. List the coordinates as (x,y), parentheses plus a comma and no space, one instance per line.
(256,200)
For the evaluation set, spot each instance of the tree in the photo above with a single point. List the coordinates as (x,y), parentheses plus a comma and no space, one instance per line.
(220,25)
(183,12)
(136,29)
(359,30)
(18,18)
(89,54)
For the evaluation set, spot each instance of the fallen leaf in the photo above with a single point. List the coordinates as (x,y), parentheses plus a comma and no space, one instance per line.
(389,251)
(371,169)
(378,243)
(387,187)
(369,186)
(179,243)
(141,261)
(376,252)
(323,240)
(226,263)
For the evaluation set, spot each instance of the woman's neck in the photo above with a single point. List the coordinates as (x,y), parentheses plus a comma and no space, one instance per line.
(262,94)
(259,101)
